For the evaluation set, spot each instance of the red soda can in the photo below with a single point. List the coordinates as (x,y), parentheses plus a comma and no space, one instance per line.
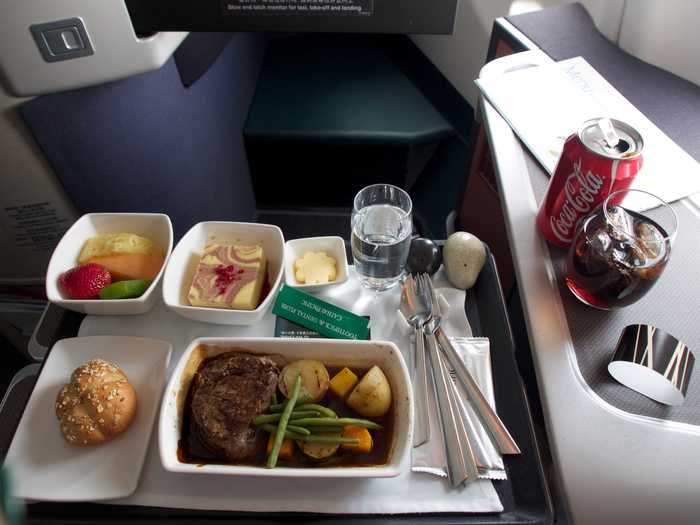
(604,156)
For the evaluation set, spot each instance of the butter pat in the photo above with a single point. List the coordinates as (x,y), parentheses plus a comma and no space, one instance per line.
(229,277)
(315,268)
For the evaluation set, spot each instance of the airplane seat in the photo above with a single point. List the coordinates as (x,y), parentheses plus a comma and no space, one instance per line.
(149,143)
(332,115)
(663,90)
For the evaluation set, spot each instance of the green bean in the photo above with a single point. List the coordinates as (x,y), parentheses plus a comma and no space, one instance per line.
(305,413)
(314,430)
(329,422)
(305,406)
(282,425)
(298,430)
(273,401)
(311,438)
(271,418)
(320,408)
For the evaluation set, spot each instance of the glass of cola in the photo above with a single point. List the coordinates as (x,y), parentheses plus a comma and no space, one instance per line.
(621,249)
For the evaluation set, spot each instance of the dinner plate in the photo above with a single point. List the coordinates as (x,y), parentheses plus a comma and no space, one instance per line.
(45,467)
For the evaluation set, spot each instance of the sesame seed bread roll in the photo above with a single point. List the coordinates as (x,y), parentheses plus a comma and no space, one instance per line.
(97,405)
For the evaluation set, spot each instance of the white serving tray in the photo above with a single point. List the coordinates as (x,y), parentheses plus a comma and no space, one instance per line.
(407,493)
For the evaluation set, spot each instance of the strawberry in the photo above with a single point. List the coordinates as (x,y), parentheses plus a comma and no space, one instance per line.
(85,281)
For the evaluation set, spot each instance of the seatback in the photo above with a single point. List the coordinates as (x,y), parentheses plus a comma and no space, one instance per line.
(664,34)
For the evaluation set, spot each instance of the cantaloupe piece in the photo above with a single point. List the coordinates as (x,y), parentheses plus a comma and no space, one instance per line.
(130,266)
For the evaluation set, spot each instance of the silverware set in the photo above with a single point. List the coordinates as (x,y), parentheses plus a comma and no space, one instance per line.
(421,308)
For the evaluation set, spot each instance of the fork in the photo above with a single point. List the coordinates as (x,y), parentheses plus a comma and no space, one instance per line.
(415,310)
(461,464)
(492,423)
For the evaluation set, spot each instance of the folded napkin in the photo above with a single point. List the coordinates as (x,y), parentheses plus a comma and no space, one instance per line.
(430,457)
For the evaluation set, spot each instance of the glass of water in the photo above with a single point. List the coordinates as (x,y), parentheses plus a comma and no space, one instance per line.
(381,234)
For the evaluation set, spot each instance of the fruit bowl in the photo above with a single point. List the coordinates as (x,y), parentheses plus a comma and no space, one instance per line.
(155,226)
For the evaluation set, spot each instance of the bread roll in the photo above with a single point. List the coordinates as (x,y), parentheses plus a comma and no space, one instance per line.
(97,405)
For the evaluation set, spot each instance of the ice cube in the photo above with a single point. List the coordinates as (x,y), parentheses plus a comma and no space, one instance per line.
(622,223)
(625,255)
(600,241)
(649,239)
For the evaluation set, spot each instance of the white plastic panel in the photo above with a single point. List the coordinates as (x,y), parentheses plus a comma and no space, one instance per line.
(118,53)
(460,56)
(664,34)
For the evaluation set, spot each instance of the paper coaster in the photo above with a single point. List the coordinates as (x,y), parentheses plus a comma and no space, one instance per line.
(653,363)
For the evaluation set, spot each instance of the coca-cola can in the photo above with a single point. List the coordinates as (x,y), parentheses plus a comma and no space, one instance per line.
(604,156)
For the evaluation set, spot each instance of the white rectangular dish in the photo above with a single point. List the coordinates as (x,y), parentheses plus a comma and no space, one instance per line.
(332,353)
(45,466)
(182,266)
(155,226)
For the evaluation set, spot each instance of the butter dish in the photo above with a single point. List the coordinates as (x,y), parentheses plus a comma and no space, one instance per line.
(332,246)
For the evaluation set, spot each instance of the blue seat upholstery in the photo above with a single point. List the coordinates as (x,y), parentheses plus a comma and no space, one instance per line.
(147,143)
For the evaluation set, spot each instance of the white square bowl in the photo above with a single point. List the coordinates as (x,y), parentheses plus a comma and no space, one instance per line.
(155,226)
(185,257)
(350,353)
(333,246)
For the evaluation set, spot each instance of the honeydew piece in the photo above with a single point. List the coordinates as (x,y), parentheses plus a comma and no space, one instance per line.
(117,243)
(315,268)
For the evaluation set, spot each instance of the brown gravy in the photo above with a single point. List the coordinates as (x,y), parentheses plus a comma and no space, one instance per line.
(190,449)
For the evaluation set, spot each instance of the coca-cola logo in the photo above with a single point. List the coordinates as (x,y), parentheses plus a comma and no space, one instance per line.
(581,191)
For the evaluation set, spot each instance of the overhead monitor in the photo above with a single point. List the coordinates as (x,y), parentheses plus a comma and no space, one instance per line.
(329,16)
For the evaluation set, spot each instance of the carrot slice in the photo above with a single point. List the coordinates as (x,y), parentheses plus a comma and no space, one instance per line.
(362,434)
(287,450)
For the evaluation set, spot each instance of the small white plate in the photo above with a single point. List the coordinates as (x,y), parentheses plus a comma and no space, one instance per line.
(296,248)
(45,467)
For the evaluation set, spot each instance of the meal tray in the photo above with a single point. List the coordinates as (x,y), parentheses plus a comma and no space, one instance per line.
(524,495)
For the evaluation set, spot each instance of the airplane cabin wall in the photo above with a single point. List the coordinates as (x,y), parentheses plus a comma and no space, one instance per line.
(460,56)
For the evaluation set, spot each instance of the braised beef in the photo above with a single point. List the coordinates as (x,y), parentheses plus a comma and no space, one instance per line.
(229,390)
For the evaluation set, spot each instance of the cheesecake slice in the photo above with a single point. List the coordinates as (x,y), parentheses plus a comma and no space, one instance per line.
(229,277)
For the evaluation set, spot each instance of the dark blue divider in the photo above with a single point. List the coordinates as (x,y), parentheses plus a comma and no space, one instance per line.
(147,143)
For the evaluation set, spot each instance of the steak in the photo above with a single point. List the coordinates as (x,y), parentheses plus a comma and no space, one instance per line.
(229,390)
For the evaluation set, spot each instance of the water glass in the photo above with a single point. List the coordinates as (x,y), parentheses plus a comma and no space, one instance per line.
(381,234)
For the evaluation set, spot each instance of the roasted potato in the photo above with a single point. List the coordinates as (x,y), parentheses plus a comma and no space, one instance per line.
(314,380)
(319,450)
(372,395)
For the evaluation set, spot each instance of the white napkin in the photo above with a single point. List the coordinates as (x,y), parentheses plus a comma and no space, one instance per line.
(408,493)
(475,352)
